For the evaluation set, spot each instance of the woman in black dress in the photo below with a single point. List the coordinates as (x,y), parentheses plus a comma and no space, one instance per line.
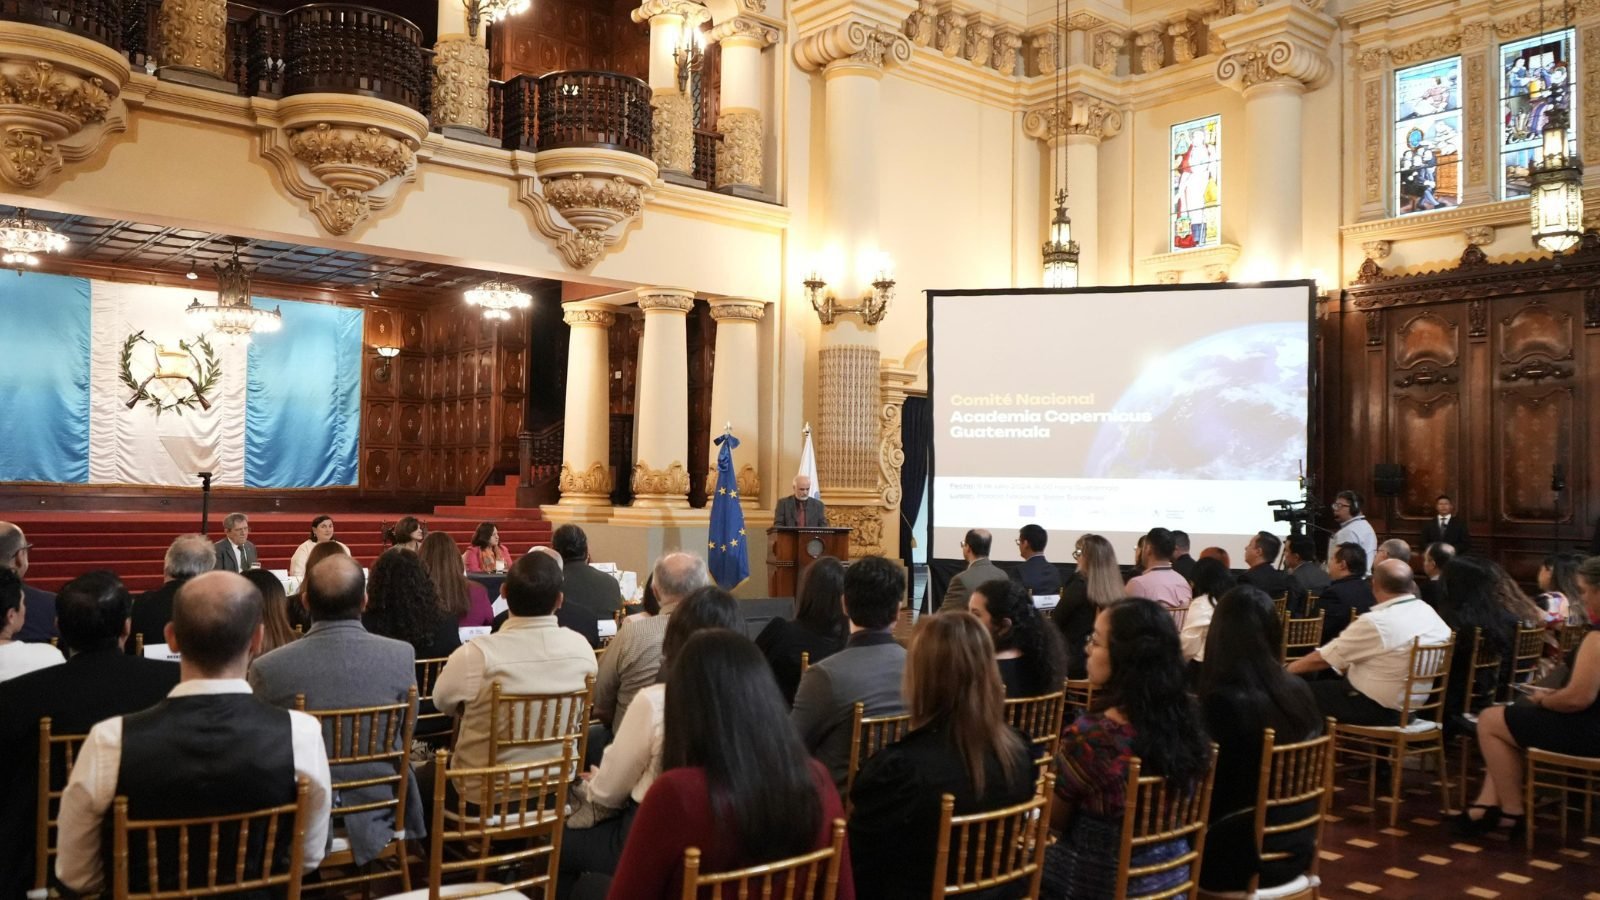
(1095,585)
(819,627)
(1027,648)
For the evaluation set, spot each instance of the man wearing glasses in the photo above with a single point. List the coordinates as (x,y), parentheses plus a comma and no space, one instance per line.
(1036,573)
(1353,527)
(39,624)
(975,550)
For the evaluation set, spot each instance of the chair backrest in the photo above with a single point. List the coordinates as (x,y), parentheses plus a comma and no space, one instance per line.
(240,851)
(427,674)
(1572,636)
(1484,659)
(1179,614)
(1525,658)
(1430,672)
(1280,605)
(1295,775)
(868,736)
(809,876)
(805,661)
(538,721)
(1079,693)
(983,850)
(1158,813)
(57,752)
(1300,637)
(501,816)
(138,645)
(367,735)
(1040,719)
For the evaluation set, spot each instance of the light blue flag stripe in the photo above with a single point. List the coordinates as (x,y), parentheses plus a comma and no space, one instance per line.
(303,407)
(44,378)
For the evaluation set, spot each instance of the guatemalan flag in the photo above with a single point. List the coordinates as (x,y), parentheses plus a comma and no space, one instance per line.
(727,551)
(114,383)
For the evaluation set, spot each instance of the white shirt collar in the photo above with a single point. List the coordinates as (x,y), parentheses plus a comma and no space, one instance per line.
(202,686)
(1394,601)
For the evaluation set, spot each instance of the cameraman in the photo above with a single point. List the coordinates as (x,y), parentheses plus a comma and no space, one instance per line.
(1353,528)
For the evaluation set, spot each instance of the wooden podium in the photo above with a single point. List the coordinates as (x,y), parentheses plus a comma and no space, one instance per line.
(791,550)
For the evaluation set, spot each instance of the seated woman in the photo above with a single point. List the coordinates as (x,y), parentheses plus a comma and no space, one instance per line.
(277,630)
(1028,650)
(406,534)
(1140,709)
(1563,720)
(1558,589)
(486,553)
(321,533)
(959,744)
(819,627)
(299,612)
(1243,692)
(402,604)
(723,712)
(463,600)
(1475,591)
(1217,553)
(1094,586)
(1210,580)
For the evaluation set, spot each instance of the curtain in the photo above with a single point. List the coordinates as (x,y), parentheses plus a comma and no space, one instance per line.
(44,378)
(303,421)
(916,438)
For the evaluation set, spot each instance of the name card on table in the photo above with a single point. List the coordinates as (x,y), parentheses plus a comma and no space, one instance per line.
(628,582)
(1045,602)
(162,652)
(468,634)
(610,568)
(499,606)
(606,628)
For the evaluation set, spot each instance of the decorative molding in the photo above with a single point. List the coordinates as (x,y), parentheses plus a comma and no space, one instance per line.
(593,482)
(1591,82)
(671,482)
(693,13)
(1478,319)
(1377,250)
(1373,60)
(586,199)
(1278,61)
(1043,52)
(672,121)
(1374,322)
(1186,34)
(980,44)
(1085,114)
(1210,261)
(58,102)
(1007,43)
(1425,49)
(1372,166)
(1151,51)
(600,317)
(1107,48)
(919,26)
(1537,370)
(1479,235)
(847,434)
(741,310)
(461,83)
(866,527)
(1477,100)
(856,42)
(744,29)
(194,35)
(950,33)
(739,161)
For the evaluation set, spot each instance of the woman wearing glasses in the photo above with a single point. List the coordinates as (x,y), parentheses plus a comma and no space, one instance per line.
(1094,586)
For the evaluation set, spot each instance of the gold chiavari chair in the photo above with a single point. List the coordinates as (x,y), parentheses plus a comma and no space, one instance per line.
(369,736)
(1421,736)
(434,725)
(1475,698)
(1300,637)
(1525,658)
(1157,813)
(809,876)
(1280,605)
(992,848)
(1572,636)
(1079,694)
(805,662)
(1566,775)
(138,645)
(868,735)
(505,818)
(535,723)
(1040,719)
(239,852)
(57,752)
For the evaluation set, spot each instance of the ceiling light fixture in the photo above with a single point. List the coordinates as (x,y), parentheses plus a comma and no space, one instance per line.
(1556,176)
(373,292)
(498,299)
(191,274)
(23,240)
(1061,251)
(233,314)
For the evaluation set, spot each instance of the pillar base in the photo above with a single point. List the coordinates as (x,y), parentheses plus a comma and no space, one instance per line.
(660,501)
(672,176)
(196,78)
(585,500)
(469,134)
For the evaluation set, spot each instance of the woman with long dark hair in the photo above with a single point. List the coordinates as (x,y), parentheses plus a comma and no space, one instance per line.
(1095,585)
(736,781)
(1209,581)
(1477,594)
(819,627)
(462,600)
(959,744)
(402,604)
(1027,648)
(1243,692)
(1140,709)
(277,630)
(1558,589)
(486,554)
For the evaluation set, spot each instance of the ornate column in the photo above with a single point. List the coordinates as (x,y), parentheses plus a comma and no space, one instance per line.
(1081,126)
(660,479)
(734,395)
(193,42)
(461,77)
(1374,76)
(1478,52)
(742,119)
(673,110)
(586,438)
(1275,54)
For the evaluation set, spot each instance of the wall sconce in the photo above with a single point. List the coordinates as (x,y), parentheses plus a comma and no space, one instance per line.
(491,11)
(385,355)
(874,305)
(688,54)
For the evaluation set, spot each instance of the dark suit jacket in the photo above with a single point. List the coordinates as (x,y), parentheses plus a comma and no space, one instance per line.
(39,615)
(785,514)
(1311,577)
(1276,583)
(152,610)
(1038,575)
(590,588)
(227,562)
(976,573)
(86,689)
(568,616)
(1339,599)
(1454,534)
(866,671)
(1184,565)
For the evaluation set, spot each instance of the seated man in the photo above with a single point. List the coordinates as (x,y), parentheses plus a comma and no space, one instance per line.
(1347,593)
(209,732)
(1301,562)
(634,657)
(338,664)
(1036,573)
(975,550)
(97,681)
(582,584)
(1259,557)
(1434,559)
(1182,562)
(867,670)
(39,606)
(187,556)
(1394,548)
(1373,655)
(1159,581)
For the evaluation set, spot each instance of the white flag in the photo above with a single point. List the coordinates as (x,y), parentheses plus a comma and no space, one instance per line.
(808,466)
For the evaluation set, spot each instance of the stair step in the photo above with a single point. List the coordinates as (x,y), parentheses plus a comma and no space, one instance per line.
(491,513)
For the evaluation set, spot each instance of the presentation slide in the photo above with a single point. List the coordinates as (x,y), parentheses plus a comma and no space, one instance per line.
(1114,411)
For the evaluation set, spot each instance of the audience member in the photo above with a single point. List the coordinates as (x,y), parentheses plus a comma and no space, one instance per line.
(40,623)
(235,553)
(723,711)
(649,603)
(1212,579)
(1561,720)
(16,657)
(1140,709)
(1472,609)
(1262,573)
(1373,655)
(402,604)
(1393,548)
(486,553)
(975,550)
(208,732)
(276,628)
(866,671)
(819,627)
(188,555)
(1447,527)
(1243,692)
(1027,648)
(299,614)
(1353,528)
(321,533)
(583,584)
(568,615)
(407,534)
(1182,562)
(1094,586)
(340,665)
(1138,555)
(597,831)
(634,658)
(1435,557)
(1036,573)
(1347,593)
(1301,563)
(97,682)
(959,744)
(1159,581)
(462,600)
(1558,587)
(1218,554)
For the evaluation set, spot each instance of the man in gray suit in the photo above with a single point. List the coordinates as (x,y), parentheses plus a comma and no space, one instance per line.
(866,671)
(340,665)
(582,584)
(801,510)
(235,553)
(975,550)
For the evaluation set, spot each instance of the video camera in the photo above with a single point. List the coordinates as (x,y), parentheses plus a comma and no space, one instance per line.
(1297,513)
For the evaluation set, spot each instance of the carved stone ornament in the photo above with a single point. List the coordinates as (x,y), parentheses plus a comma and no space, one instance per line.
(1377,250)
(693,13)
(740,159)
(670,301)
(891,453)
(1185,35)
(1004,56)
(600,317)
(60,97)
(950,33)
(587,199)
(1107,46)
(749,482)
(744,28)
(1151,52)
(857,42)
(750,311)
(866,528)
(673,481)
(673,125)
(1272,62)
(1042,53)
(1085,114)
(1425,49)
(980,44)
(461,83)
(1479,235)
(594,481)
(919,25)
(194,35)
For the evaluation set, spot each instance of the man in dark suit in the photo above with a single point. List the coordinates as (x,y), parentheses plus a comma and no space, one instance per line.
(235,553)
(1434,558)
(187,556)
(1182,562)
(1446,527)
(39,607)
(1301,564)
(975,550)
(1036,573)
(1259,556)
(802,509)
(582,584)
(96,682)
(1348,592)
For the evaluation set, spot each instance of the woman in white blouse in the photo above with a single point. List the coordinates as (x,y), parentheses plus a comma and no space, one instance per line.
(1210,580)
(16,657)
(321,533)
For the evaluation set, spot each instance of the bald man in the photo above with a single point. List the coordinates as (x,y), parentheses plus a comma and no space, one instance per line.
(39,607)
(1373,654)
(210,748)
(975,550)
(801,509)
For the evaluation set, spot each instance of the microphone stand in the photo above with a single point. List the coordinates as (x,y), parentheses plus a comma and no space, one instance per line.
(205,501)
(1558,484)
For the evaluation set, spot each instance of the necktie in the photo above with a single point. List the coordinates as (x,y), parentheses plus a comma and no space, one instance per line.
(800,515)
(1443,521)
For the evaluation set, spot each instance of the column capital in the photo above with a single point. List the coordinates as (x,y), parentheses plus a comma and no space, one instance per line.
(1280,42)
(678,300)
(588,315)
(745,30)
(688,10)
(736,308)
(1084,114)
(855,43)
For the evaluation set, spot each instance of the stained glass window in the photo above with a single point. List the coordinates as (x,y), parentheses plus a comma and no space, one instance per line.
(1197,183)
(1427,136)
(1536,75)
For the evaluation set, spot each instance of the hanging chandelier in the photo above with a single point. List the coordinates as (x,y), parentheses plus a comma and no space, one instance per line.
(23,240)
(233,314)
(498,299)
(1061,251)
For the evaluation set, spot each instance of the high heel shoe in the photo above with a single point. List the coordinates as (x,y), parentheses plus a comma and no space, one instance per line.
(1467,826)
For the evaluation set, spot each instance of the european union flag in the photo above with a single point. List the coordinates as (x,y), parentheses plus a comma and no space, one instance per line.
(727,550)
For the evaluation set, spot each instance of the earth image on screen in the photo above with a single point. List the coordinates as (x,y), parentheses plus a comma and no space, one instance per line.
(1230,406)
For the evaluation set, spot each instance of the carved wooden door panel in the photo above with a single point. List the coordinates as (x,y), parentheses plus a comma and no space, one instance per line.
(1426,369)
(1534,346)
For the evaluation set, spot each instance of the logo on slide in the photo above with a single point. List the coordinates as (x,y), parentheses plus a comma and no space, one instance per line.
(167,379)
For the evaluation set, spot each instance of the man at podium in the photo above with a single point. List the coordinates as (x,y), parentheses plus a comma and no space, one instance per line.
(802,510)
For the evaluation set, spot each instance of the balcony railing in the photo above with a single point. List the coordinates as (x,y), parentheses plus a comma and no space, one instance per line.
(344,49)
(706,146)
(593,109)
(97,20)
